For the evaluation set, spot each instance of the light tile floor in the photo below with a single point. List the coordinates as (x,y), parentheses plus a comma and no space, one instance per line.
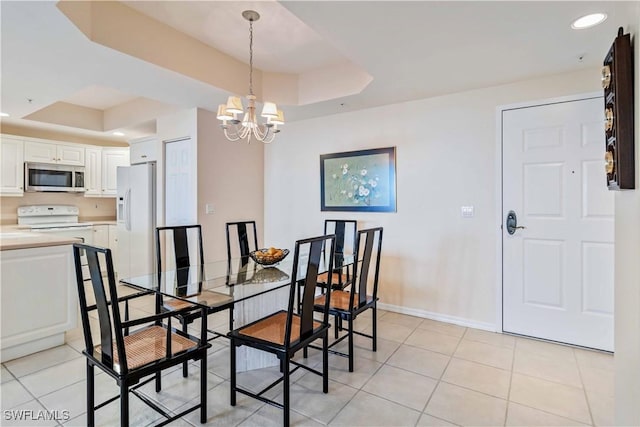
(425,373)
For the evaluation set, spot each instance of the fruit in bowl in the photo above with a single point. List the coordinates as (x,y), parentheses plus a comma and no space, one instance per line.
(269,256)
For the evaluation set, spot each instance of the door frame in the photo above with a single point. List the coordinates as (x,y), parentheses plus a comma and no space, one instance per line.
(500,109)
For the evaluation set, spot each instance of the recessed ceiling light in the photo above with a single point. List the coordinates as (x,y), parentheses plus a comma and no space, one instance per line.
(118,134)
(4,115)
(589,21)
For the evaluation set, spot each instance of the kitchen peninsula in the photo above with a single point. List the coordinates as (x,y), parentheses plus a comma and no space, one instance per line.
(37,291)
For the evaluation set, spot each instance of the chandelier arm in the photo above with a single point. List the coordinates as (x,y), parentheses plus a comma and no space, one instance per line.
(263,132)
(269,139)
(243,132)
(233,137)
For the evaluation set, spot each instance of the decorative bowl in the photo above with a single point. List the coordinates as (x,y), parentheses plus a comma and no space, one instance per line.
(262,256)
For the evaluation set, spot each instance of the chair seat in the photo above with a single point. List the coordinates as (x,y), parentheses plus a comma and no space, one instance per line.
(149,345)
(272,328)
(212,299)
(337,278)
(340,300)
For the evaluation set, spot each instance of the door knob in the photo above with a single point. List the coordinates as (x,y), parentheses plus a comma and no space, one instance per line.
(512,223)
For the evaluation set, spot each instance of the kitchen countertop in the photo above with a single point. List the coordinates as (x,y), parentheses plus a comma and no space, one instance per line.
(98,221)
(107,222)
(11,237)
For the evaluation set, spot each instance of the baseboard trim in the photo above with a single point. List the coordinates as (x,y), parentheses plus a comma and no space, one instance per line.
(439,317)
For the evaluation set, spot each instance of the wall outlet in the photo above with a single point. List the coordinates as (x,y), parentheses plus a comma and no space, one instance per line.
(466,211)
(208,208)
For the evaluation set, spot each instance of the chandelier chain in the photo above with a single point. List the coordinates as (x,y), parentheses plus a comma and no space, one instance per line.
(251,57)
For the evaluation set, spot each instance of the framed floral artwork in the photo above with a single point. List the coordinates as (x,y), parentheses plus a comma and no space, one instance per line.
(359,181)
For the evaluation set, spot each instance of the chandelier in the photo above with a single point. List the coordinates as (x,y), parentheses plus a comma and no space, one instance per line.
(249,126)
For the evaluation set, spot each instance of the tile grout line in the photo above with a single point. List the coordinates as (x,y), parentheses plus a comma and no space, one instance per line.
(376,371)
(513,366)
(554,382)
(584,388)
(442,374)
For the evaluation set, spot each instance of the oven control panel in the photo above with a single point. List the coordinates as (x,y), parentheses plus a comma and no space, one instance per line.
(47,210)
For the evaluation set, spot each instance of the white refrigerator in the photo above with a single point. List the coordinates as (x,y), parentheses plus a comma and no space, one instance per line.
(136,219)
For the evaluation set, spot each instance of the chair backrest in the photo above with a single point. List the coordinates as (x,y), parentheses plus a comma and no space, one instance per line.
(311,248)
(246,236)
(367,263)
(108,313)
(186,242)
(345,231)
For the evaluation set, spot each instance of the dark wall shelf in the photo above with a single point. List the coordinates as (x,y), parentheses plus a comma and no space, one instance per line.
(617,81)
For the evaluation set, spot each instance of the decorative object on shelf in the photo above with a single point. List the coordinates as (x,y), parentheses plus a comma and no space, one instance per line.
(617,82)
(359,181)
(269,256)
(235,129)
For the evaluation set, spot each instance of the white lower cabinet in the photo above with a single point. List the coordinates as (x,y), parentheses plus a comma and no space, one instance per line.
(39,299)
(105,235)
(101,235)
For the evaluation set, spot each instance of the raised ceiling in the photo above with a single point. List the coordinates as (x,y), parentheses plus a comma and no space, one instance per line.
(335,56)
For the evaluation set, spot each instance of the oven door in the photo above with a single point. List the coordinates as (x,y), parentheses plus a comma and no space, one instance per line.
(85,233)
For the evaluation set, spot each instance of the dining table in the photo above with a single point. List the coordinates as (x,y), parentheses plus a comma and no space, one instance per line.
(252,290)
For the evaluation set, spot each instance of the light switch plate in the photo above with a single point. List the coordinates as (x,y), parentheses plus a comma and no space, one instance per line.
(208,208)
(466,211)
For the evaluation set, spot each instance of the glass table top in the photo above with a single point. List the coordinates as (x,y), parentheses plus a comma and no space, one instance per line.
(222,283)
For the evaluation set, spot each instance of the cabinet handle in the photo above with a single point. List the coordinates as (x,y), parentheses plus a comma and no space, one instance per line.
(21,188)
(144,156)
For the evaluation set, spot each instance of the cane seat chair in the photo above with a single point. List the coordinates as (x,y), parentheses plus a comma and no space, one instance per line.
(180,247)
(246,237)
(286,332)
(345,231)
(358,297)
(130,356)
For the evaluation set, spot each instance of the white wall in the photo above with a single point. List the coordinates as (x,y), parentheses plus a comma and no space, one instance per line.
(230,177)
(435,263)
(627,276)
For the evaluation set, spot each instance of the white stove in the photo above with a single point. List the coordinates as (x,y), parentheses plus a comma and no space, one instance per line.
(50,216)
(61,220)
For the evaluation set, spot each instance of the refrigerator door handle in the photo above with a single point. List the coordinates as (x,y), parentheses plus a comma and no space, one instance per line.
(127,209)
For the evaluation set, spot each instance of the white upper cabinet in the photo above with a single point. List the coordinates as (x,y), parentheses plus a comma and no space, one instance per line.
(93,172)
(143,151)
(71,155)
(45,152)
(111,159)
(11,166)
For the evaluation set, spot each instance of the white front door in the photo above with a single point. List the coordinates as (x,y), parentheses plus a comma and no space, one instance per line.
(558,271)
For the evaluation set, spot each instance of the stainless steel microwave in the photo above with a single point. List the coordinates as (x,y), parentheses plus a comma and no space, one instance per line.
(46,177)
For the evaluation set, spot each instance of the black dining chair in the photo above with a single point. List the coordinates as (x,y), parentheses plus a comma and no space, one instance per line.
(126,355)
(286,332)
(181,247)
(345,231)
(348,304)
(242,238)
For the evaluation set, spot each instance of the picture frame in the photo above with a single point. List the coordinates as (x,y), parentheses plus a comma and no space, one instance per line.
(358,181)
